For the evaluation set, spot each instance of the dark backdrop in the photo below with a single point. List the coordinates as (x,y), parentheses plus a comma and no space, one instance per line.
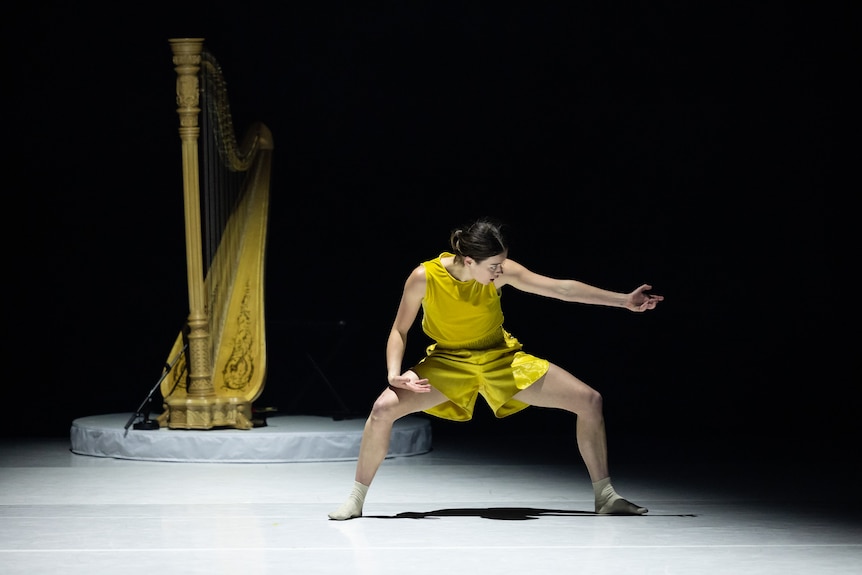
(700,148)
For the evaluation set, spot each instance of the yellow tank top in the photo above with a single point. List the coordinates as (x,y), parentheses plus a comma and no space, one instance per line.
(455,313)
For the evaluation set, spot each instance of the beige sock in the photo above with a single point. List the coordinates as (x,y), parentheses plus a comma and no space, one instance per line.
(608,502)
(353,506)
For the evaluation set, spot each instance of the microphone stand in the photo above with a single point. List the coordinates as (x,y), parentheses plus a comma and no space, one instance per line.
(148,423)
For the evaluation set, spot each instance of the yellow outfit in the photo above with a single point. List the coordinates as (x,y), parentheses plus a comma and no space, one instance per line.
(472,354)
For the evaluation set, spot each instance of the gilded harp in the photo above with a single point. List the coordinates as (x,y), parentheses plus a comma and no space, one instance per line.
(220,364)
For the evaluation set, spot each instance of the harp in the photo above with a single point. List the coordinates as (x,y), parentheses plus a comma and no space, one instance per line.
(219,357)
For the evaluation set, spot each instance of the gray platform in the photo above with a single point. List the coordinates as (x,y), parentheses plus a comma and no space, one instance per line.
(285,439)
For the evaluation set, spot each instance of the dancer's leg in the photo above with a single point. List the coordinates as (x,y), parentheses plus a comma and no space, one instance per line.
(390,406)
(560,389)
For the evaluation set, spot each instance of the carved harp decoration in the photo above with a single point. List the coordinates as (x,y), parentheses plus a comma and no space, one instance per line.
(221,365)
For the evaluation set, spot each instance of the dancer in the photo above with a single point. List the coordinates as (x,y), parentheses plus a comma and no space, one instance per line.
(472,354)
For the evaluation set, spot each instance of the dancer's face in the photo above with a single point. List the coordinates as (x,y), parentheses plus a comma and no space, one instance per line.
(487,270)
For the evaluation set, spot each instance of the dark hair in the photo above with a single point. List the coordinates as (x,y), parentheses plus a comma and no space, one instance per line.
(480,240)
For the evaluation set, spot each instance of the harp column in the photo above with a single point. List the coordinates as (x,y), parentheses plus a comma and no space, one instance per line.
(201,408)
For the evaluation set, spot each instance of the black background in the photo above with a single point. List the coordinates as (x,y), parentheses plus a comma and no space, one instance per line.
(705,148)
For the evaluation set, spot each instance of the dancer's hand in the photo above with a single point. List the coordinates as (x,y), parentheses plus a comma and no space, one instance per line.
(640,300)
(410,381)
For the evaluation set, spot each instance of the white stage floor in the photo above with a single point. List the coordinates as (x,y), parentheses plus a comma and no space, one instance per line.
(472,504)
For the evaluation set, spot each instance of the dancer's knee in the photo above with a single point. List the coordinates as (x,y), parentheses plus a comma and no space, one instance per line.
(385,407)
(592,404)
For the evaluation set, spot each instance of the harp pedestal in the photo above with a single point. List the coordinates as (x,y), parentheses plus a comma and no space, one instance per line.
(208,412)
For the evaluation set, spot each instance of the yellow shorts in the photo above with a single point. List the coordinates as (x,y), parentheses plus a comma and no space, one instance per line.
(496,373)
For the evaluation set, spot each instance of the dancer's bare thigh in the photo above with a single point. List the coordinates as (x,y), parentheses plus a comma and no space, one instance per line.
(404,402)
(558,388)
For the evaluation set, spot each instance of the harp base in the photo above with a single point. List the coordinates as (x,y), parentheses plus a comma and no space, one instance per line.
(208,413)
